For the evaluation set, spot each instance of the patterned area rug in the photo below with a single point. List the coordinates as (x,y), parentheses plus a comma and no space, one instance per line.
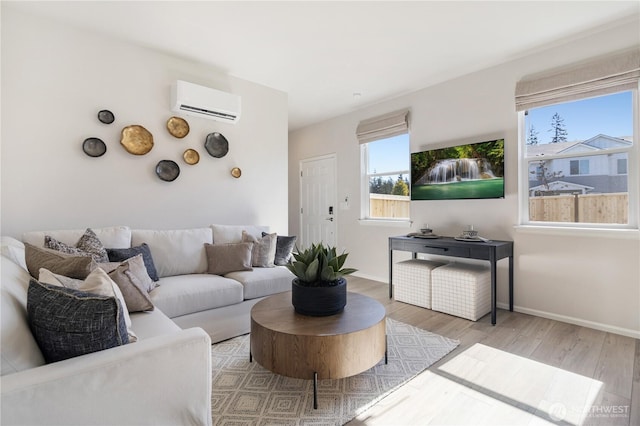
(244,393)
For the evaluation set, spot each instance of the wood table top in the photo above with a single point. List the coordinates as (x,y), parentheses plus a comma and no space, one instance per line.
(276,313)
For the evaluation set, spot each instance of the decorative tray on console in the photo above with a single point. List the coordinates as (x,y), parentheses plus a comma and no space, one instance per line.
(472,239)
(425,236)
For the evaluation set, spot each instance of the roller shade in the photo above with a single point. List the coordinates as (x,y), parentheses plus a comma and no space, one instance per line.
(614,73)
(385,126)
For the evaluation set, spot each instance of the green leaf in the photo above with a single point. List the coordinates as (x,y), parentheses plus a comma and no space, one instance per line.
(311,275)
(341,259)
(328,274)
(347,271)
(299,270)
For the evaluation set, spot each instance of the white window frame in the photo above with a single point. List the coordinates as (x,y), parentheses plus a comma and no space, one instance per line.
(365,176)
(371,130)
(633,178)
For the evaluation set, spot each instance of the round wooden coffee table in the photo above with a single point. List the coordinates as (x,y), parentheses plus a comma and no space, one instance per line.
(305,347)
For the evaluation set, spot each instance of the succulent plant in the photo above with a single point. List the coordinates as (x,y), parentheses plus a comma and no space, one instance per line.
(319,266)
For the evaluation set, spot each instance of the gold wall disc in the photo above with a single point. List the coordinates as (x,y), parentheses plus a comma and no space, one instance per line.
(191,156)
(136,140)
(178,127)
(236,172)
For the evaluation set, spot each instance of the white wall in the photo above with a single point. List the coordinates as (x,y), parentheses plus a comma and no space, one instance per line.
(590,280)
(54,81)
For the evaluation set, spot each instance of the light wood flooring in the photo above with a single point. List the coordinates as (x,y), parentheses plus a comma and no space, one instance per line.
(576,355)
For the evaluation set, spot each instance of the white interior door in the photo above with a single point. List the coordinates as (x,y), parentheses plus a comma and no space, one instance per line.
(318,196)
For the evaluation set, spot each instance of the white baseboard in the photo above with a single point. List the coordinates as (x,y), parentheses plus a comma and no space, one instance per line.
(563,318)
(371,277)
(576,321)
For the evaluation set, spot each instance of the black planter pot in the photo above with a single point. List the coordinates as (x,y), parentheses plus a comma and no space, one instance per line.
(319,301)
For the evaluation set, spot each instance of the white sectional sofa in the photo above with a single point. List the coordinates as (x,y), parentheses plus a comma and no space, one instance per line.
(164,377)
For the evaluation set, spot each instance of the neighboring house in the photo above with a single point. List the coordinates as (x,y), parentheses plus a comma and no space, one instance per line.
(594,168)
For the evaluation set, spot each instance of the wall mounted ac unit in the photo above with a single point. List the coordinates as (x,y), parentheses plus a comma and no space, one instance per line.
(204,102)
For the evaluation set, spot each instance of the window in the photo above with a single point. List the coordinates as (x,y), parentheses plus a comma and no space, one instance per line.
(579,167)
(622,166)
(385,157)
(579,156)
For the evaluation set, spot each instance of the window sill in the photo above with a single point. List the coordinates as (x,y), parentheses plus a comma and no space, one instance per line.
(386,222)
(626,234)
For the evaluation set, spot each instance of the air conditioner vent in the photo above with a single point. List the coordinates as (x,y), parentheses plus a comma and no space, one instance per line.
(204,102)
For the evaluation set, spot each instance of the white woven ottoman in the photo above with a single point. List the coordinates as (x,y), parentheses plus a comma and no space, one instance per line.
(461,289)
(412,281)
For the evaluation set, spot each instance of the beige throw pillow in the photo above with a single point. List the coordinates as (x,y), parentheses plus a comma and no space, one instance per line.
(78,267)
(132,278)
(225,258)
(97,282)
(264,249)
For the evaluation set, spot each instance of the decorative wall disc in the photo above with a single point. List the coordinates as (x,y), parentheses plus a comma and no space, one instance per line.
(178,127)
(94,147)
(191,156)
(167,170)
(105,116)
(216,145)
(236,172)
(136,140)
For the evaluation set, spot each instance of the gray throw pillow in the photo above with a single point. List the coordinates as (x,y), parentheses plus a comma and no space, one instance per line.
(78,267)
(284,249)
(264,249)
(67,323)
(120,255)
(88,245)
(225,258)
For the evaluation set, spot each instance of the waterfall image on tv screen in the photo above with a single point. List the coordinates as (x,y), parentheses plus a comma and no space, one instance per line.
(460,172)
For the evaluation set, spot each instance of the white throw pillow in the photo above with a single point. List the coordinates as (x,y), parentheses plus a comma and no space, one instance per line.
(264,249)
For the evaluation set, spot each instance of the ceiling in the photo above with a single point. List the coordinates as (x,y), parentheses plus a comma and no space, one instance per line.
(321,53)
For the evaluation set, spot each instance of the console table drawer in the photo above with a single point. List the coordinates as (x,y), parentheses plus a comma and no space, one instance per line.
(425,247)
(446,251)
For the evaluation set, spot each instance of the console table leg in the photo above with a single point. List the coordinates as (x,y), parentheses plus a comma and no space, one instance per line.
(494,292)
(250,357)
(511,283)
(315,391)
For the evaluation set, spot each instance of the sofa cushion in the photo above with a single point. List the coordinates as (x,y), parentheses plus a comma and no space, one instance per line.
(18,348)
(113,236)
(122,254)
(186,294)
(88,245)
(284,249)
(98,282)
(264,249)
(176,252)
(231,234)
(152,323)
(224,258)
(263,281)
(67,323)
(57,262)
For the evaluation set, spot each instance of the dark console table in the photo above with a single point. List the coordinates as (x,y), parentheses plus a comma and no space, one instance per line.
(491,251)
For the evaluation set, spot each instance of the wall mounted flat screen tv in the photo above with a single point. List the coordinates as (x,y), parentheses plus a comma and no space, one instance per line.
(468,171)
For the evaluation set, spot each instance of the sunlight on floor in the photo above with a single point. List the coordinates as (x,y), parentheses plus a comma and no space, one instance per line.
(487,386)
